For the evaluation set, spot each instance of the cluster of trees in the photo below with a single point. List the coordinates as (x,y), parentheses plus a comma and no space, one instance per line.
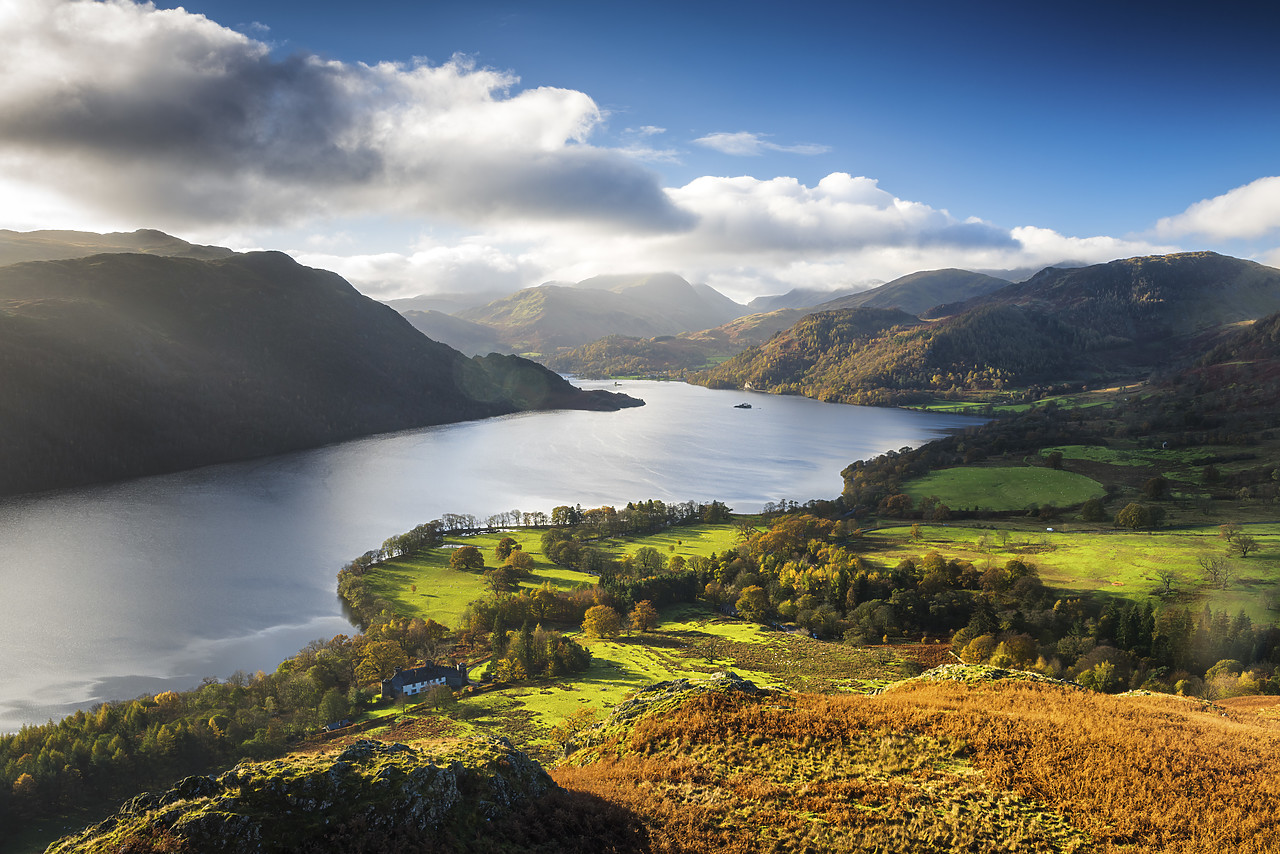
(120,748)
(813,573)
(534,652)
(1128,645)
(636,519)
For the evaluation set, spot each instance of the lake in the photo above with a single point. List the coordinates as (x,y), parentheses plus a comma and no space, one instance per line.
(152,584)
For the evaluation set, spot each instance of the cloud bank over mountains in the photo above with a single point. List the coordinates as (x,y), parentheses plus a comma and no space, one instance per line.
(121,113)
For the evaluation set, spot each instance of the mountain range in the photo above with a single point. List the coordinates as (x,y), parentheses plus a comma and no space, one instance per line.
(1106,321)
(552,316)
(620,354)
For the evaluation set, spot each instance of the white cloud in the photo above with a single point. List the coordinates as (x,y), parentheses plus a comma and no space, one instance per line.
(745,144)
(169,117)
(754,237)
(841,213)
(467,266)
(1246,212)
(116,115)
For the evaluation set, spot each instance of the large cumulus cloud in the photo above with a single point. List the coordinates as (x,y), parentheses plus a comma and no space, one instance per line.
(755,236)
(1247,212)
(172,117)
(841,212)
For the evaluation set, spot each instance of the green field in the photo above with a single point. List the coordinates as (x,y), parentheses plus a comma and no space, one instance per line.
(1119,563)
(1004,487)
(442,593)
(686,541)
(1001,403)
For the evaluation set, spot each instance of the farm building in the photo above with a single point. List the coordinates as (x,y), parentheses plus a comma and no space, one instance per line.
(410,683)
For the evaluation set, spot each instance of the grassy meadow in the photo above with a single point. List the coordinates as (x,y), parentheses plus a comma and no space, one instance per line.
(1004,487)
(442,594)
(686,540)
(1120,563)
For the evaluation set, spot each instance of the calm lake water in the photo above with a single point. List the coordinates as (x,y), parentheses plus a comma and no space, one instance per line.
(138,587)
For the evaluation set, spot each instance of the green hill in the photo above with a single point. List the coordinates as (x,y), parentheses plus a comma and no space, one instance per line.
(869,355)
(1148,299)
(919,292)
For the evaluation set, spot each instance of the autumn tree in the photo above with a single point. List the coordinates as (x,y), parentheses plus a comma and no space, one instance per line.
(1134,516)
(650,560)
(601,621)
(644,617)
(1155,488)
(520,563)
(501,579)
(380,660)
(467,559)
(753,603)
(440,697)
(1093,511)
(504,548)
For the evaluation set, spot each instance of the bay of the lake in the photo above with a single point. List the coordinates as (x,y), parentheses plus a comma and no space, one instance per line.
(152,584)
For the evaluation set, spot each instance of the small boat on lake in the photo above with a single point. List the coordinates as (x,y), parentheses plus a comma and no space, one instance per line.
(742,406)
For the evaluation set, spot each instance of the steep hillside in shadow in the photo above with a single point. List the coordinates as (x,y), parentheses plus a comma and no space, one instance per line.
(122,365)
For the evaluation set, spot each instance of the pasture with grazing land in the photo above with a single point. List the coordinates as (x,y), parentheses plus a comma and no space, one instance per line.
(1003,487)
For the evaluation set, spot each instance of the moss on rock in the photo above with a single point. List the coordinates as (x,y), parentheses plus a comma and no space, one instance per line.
(370,797)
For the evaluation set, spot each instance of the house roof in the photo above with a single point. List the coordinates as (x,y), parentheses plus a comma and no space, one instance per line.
(422,674)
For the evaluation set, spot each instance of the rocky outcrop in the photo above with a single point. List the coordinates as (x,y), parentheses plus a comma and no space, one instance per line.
(370,797)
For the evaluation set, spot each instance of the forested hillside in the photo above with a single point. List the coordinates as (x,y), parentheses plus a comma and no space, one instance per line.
(881,356)
(1109,321)
(1148,299)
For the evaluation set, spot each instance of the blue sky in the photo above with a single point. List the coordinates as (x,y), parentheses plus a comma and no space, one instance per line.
(756,146)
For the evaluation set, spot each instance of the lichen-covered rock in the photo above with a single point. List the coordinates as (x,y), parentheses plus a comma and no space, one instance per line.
(974,673)
(657,698)
(372,796)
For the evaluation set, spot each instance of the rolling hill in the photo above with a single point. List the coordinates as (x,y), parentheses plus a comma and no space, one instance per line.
(548,317)
(803,298)
(121,365)
(919,292)
(59,245)
(1148,299)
